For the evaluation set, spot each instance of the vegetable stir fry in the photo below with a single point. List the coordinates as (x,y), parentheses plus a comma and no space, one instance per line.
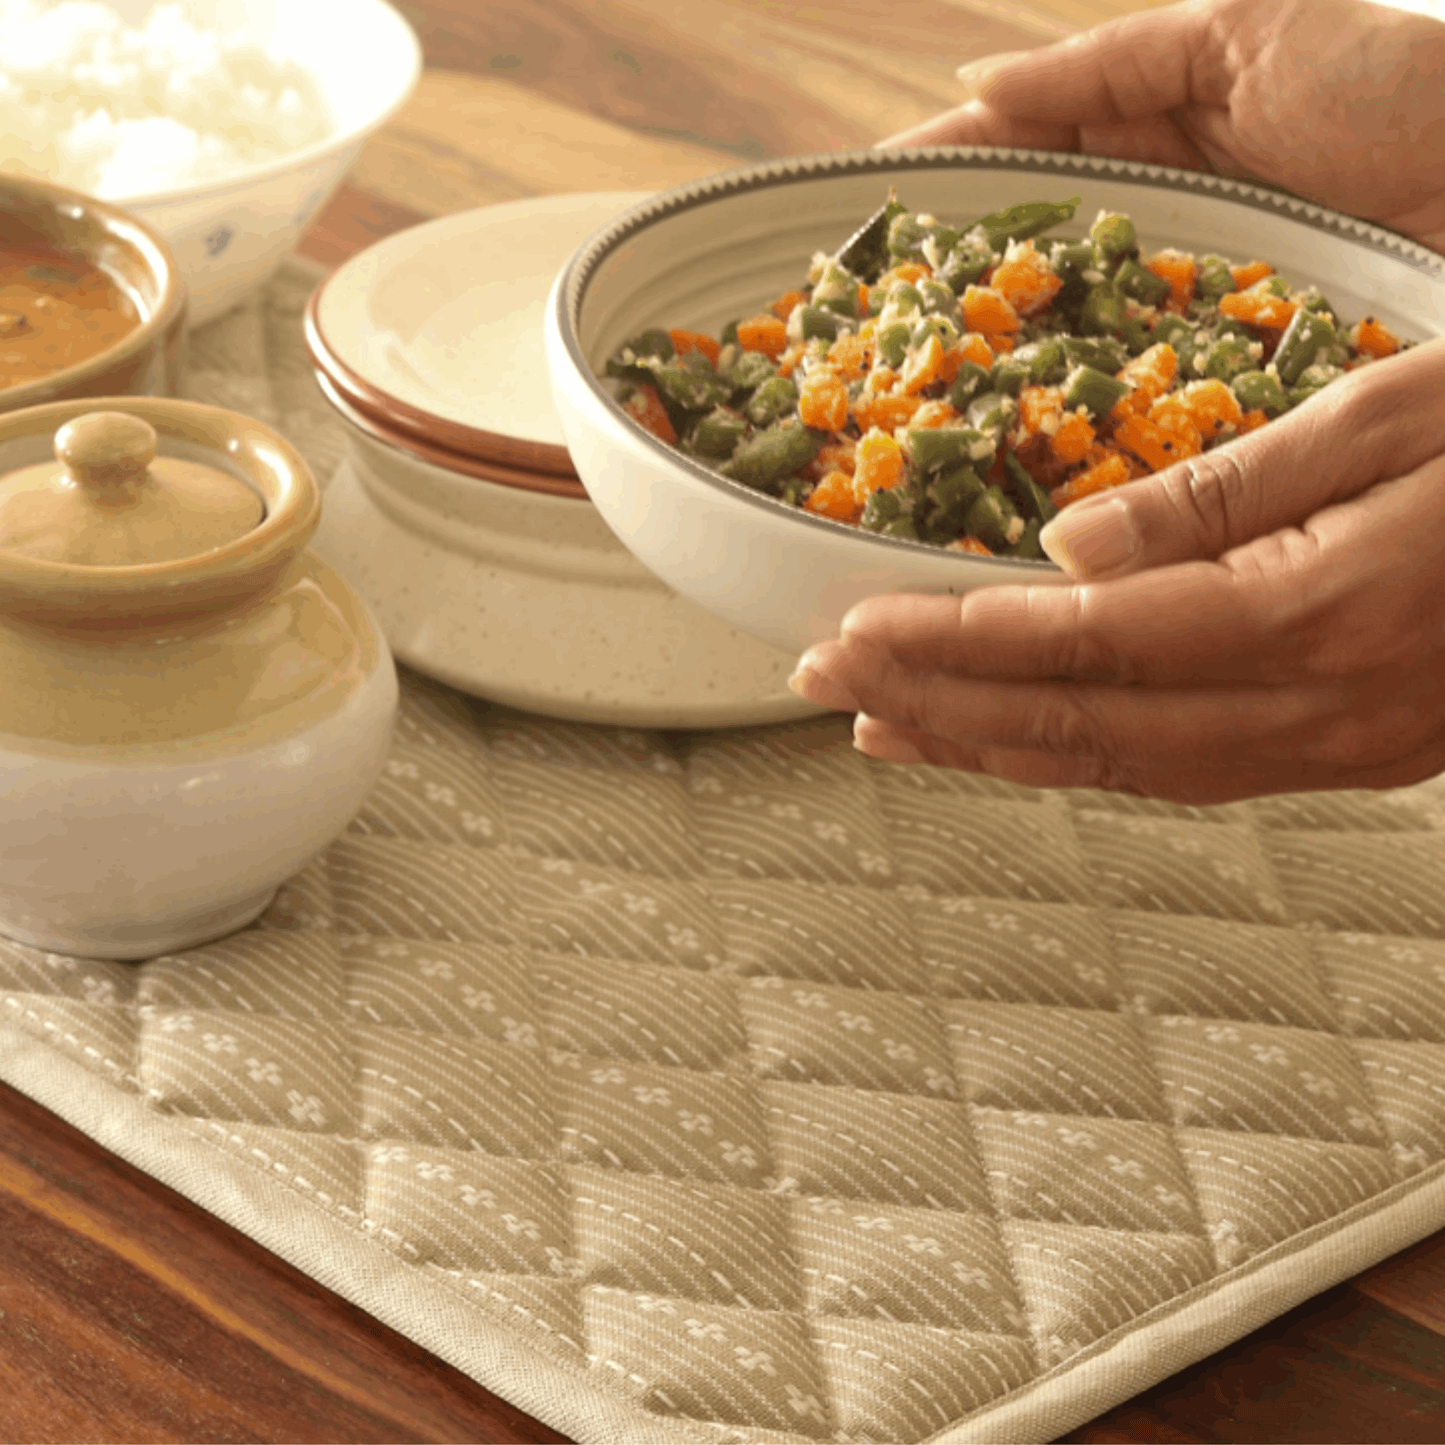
(958,387)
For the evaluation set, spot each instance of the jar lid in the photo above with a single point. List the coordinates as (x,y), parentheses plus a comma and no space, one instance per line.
(436,332)
(108,500)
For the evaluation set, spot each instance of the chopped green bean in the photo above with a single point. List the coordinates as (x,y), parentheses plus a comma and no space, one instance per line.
(689,389)
(774,398)
(1096,391)
(717,434)
(809,322)
(1103,312)
(1213,279)
(1113,234)
(892,342)
(766,457)
(1227,358)
(1009,375)
(936,449)
(970,381)
(938,299)
(836,289)
(1140,285)
(993,520)
(1308,339)
(1259,391)
(993,411)
(1103,353)
(1023,222)
(964,264)
(1046,361)
(1033,501)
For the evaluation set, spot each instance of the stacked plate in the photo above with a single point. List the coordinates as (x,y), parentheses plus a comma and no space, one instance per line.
(458,514)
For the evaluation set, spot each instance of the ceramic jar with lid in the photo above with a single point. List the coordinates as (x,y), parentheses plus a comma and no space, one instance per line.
(192,704)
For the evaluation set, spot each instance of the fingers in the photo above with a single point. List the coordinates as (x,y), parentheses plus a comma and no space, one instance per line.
(1143,64)
(975,124)
(1188,627)
(1381,421)
(1198,783)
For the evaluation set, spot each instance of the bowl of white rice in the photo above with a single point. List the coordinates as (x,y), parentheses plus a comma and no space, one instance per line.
(224,124)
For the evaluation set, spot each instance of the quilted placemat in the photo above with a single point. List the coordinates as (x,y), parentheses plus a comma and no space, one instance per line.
(730,1087)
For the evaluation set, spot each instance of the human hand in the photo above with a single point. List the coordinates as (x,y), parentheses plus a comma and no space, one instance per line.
(1337,101)
(1267,617)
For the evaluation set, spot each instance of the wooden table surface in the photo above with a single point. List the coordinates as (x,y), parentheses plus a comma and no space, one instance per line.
(126,1313)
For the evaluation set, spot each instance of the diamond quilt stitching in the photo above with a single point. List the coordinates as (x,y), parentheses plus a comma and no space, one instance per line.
(786,1095)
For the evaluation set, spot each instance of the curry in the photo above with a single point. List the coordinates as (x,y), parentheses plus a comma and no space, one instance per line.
(56,311)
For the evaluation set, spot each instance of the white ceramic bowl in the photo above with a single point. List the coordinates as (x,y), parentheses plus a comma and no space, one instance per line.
(457,513)
(229,235)
(525,597)
(705,253)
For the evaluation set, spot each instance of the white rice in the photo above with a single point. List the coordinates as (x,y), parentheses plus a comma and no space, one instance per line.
(118,111)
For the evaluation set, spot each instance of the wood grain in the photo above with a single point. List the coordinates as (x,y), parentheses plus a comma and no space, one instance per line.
(129,1314)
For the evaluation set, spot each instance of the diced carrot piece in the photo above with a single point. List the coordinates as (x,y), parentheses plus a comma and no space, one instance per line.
(1158,444)
(910,271)
(1131,403)
(789,360)
(787,303)
(863,298)
(1152,372)
(883,411)
(834,497)
(882,379)
(1037,404)
(1211,405)
(765,333)
(835,456)
(645,407)
(1026,280)
(1179,270)
(989,311)
(685,341)
(1173,416)
(934,414)
(924,365)
(823,402)
(1258,308)
(1073,439)
(1373,338)
(1250,420)
(973,545)
(975,348)
(1250,274)
(880,463)
(1001,342)
(850,354)
(1111,471)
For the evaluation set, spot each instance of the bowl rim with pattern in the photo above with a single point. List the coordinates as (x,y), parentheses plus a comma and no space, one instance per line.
(401,329)
(128,250)
(775,569)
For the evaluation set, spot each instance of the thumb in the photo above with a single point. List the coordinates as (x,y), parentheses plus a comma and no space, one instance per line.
(1379,422)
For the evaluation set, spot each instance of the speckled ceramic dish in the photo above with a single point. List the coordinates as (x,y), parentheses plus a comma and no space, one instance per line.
(435,332)
(708,252)
(457,514)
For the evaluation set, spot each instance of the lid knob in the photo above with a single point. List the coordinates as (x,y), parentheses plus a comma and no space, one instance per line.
(114,502)
(107,452)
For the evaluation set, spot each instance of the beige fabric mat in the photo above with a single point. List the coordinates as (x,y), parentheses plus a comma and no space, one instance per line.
(732,1087)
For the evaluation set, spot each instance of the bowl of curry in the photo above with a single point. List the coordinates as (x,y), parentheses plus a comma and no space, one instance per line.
(91,300)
